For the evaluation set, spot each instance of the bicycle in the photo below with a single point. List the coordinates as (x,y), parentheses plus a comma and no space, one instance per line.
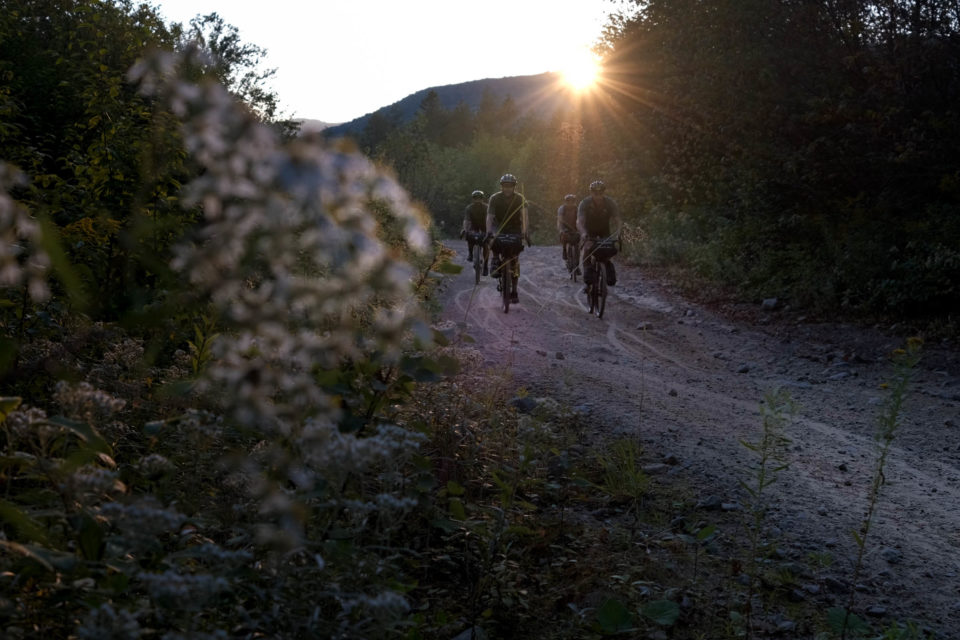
(478,238)
(598,259)
(571,249)
(507,246)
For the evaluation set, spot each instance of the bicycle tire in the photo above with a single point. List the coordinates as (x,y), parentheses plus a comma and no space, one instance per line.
(601,288)
(573,261)
(593,289)
(477,263)
(506,281)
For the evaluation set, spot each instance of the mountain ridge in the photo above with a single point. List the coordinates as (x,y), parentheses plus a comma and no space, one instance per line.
(541,93)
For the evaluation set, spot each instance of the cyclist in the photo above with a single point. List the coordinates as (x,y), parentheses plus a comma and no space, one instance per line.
(507,213)
(595,216)
(567,221)
(474,221)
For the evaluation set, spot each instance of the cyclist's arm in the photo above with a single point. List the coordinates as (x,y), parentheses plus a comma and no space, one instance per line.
(491,219)
(561,227)
(582,218)
(523,220)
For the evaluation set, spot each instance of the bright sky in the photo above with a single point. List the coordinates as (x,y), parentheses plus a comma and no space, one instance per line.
(337,60)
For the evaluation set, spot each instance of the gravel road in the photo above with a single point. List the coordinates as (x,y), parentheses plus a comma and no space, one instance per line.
(689,379)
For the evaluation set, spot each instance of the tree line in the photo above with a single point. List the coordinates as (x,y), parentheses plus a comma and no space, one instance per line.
(803,149)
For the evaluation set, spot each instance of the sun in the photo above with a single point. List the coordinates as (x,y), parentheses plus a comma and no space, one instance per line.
(580,70)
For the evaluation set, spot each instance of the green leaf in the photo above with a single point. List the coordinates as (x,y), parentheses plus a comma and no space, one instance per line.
(27,552)
(91,536)
(837,618)
(455,489)
(448,268)
(84,431)
(662,612)
(613,617)
(457,512)
(706,532)
(8,405)
(27,528)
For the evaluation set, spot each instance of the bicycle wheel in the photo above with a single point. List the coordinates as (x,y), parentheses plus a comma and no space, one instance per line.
(477,262)
(601,288)
(506,281)
(594,290)
(571,262)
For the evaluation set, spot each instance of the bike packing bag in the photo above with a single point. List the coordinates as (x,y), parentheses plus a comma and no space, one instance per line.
(508,245)
(604,250)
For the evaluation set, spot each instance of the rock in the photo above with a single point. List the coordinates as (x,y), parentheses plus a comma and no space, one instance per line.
(473,633)
(525,404)
(891,555)
(654,468)
(769,303)
(730,506)
(877,611)
(710,503)
(671,459)
(836,585)
(673,393)
(787,626)
(560,356)
(644,326)
(743,369)
(541,353)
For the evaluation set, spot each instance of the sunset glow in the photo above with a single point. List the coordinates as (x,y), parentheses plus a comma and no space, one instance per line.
(580,71)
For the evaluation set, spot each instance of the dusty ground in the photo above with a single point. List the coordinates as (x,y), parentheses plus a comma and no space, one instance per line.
(689,380)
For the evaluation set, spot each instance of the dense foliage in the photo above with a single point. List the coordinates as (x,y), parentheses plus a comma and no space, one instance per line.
(802,150)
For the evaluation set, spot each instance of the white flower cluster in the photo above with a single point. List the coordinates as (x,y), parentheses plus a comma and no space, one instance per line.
(287,252)
(26,421)
(143,518)
(92,482)
(187,591)
(215,554)
(82,401)
(106,623)
(327,447)
(22,259)
(154,465)
(383,606)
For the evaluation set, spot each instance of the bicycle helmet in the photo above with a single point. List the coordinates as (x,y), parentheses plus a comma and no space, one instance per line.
(570,197)
(476,195)
(597,185)
(508,178)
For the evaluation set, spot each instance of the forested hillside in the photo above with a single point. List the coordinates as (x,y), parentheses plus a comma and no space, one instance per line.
(800,150)
(225,411)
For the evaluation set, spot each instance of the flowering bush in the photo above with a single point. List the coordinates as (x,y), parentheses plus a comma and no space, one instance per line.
(309,301)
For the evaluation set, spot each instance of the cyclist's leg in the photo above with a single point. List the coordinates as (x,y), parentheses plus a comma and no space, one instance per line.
(611,274)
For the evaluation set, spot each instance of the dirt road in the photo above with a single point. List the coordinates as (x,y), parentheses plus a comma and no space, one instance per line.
(690,380)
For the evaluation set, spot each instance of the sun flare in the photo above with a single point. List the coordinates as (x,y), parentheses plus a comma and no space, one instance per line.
(580,70)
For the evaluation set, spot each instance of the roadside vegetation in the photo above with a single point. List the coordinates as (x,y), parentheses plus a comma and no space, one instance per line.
(225,411)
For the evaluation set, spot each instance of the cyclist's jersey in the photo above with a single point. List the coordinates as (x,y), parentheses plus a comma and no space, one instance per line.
(475,215)
(596,219)
(567,217)
(507,212)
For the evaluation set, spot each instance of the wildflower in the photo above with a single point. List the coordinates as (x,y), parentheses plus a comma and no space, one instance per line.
(106,623)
